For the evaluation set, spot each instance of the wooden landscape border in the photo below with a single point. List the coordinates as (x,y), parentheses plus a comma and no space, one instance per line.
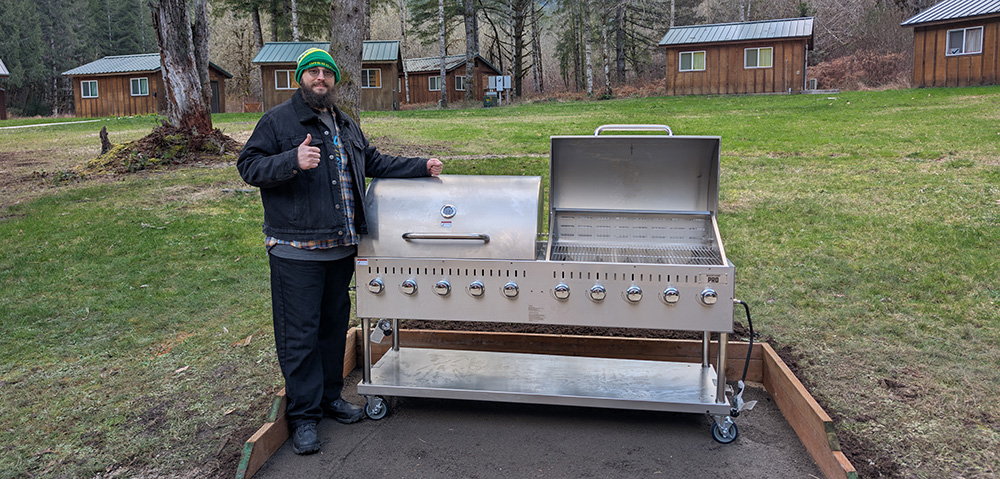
(811,424)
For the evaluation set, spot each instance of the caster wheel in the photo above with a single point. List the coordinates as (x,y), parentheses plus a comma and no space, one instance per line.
(727,436)
(376,408)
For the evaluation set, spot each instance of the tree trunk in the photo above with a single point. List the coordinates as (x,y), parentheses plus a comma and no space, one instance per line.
(258,32)
(368,20)
(184,63)
(672,13)
(620,43)
(295,21)
(743,16)
(444,72)
(587,36)
(402,47)
(536,49)
(607,54)
(517,38)
(470,48)
(347,18)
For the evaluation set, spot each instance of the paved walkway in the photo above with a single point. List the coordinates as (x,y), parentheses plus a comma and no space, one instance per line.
(47,124)
(432,438)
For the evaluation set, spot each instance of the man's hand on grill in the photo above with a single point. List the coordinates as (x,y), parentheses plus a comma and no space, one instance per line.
(308,155)
(434,166)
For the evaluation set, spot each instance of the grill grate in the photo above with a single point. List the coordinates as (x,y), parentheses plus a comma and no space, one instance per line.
(668,254)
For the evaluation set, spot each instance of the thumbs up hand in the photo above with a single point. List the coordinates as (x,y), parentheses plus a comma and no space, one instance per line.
(308,155)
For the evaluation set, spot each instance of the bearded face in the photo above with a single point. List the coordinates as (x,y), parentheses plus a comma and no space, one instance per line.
(317,88)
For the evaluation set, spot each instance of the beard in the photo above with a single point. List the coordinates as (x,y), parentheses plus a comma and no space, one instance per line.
(319,101)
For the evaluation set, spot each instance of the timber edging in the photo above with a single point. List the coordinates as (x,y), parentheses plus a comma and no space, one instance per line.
(810,422)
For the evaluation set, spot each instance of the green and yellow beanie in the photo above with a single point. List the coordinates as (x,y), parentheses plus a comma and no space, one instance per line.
(314,57)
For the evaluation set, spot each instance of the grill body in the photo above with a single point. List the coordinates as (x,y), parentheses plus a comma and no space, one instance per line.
(633,241)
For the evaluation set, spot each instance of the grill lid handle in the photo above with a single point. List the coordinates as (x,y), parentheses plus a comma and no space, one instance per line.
(485,238)
(633,128)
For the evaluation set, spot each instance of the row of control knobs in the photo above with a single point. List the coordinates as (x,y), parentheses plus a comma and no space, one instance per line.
(510,290)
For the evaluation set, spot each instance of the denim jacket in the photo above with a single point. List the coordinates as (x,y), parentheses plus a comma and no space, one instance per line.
(300,205)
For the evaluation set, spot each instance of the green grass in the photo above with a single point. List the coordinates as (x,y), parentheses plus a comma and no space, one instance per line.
(863,226)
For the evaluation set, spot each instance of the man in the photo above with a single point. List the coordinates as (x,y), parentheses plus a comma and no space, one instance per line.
(310,161)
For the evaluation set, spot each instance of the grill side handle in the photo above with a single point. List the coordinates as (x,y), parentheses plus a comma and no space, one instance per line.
(634,128)
(485,238)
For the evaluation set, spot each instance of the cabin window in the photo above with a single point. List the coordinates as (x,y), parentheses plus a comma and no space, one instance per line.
(758,57)
(88,89)
(459,83)
(140,86)
(285,80)
(692,61)
(434,83)
(371,78)
(965,41)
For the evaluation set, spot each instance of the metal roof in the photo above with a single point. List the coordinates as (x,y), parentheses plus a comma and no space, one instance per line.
(142,62)
(288,52)
(433,64)
(3,70)
(953,10)
(740,31)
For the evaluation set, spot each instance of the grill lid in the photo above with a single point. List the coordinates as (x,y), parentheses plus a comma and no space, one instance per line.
(453,216)
(635,173)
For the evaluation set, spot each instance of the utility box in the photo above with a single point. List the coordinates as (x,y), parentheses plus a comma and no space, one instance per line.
(490,99)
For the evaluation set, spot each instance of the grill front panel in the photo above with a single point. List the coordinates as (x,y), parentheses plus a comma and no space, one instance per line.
(536,301)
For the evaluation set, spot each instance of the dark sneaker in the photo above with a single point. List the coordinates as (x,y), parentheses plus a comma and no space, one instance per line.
(343,411)
(304,440)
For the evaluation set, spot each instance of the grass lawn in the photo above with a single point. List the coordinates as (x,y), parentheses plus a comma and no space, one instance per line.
(135,332)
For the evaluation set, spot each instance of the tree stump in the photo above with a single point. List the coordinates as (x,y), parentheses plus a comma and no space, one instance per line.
(105,143)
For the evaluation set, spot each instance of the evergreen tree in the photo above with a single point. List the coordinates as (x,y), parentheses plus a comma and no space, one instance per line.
(21,51)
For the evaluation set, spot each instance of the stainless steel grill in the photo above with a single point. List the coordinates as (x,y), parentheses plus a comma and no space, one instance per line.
(633,242)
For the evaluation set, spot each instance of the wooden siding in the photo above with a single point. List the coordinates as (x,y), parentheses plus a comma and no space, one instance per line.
(372,99)
(933,68)
(114,95)
(724,72)
(386,97)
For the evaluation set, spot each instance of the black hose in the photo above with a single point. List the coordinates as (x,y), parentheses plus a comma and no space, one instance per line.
(746,366)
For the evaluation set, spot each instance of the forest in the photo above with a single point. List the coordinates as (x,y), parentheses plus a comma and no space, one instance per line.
(588,48)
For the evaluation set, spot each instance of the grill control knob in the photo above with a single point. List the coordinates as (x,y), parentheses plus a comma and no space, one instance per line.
(598,293)
(561,291)
(510,290)
(442,288)
(409,286)
(709,297)
(476,289)
(671,295)
(376,286)
(633,294)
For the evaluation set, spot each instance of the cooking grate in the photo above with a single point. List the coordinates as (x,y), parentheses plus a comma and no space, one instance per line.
(668,254)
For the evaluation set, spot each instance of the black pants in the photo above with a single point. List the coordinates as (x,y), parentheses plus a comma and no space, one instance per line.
(311,309)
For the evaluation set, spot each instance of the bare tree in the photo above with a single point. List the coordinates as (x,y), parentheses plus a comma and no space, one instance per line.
(471,43)
(587,39)
(295,20)
(183,42)
(347,20)
(402,47)
(536,47)
(444,53)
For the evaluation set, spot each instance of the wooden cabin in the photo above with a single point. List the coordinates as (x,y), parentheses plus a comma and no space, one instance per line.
(735,58)
(425,76)
(126,85)
(380,65)
(956,43)
(4,74)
